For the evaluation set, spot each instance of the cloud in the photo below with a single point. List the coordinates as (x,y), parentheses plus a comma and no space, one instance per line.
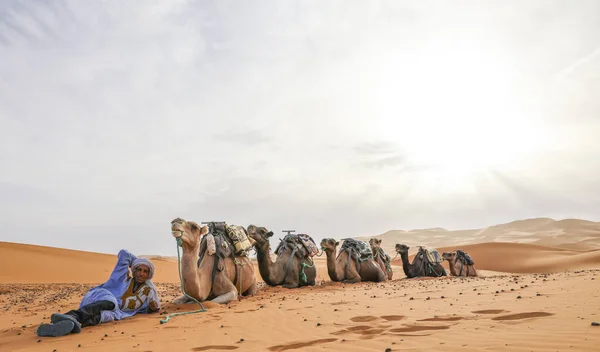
(119,116)
(580,62)
(375,148)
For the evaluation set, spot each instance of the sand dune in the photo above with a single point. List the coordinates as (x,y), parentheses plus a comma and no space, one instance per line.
(529,299)
(574,234)
(23,263)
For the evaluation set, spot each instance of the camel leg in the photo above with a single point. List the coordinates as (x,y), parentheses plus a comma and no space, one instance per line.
(251,291)
(224,285)
(182,300)
(352,281)
(226,298)
(313,279)
(352,274)
(292,280)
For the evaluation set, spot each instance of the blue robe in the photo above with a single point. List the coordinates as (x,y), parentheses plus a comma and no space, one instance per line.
(114,289)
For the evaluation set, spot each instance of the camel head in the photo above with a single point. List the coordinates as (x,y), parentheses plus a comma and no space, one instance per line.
(259,234)
(375,243)
(402,248)
(449,256)
(190,232)
(329,245)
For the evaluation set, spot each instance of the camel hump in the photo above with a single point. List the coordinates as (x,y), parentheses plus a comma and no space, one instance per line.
(361,248)
(299,242)
(432,255)
(464,257)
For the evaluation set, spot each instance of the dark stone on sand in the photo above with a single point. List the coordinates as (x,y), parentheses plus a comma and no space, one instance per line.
(595,324)
(388,350)
(318,324)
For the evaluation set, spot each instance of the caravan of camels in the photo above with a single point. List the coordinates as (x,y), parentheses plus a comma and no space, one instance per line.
(215,264)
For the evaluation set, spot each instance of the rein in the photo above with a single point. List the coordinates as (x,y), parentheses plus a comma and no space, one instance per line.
(180,244)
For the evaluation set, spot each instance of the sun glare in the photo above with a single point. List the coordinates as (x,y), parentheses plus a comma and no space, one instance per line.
(453,117)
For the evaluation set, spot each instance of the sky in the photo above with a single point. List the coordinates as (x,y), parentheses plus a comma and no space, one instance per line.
(333,118)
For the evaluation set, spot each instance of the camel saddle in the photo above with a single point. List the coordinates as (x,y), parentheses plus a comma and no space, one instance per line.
(239,237)
(464,258)
(234,235)
(301,244)
(431,255)
(358,249)
(224,246)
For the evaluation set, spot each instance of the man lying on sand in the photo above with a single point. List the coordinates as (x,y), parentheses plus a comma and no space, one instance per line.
(122,296)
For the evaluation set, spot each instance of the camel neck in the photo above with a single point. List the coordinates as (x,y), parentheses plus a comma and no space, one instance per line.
(331,266)
(452,266)
(405,264)
(190,272)
(263,256)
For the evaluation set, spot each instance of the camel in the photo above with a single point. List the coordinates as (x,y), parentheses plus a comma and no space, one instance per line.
(381,258)
(205,278)
(457,267)
(418,267)
(348,270)
(292,268)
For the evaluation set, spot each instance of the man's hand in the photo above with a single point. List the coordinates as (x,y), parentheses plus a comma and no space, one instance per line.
(153,306)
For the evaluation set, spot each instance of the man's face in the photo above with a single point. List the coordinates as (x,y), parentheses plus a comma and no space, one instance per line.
(141,274)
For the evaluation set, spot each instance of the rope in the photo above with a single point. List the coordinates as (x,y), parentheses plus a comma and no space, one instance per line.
(302,274)
(179,244)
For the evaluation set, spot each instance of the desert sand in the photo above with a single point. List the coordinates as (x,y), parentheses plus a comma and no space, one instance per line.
(531,297)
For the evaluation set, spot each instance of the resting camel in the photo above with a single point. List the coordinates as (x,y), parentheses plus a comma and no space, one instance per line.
(346,269)
(419,267)
(287,268)
(205,278)
(457,267)
(381,258)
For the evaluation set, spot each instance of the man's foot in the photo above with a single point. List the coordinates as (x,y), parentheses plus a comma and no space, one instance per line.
(57,317)
(61,328)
